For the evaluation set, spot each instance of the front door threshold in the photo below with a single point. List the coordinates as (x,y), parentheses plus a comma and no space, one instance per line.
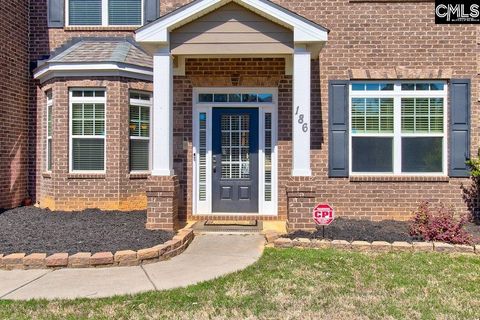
(228,226)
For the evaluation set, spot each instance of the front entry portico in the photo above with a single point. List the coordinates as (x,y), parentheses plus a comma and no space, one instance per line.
(231,176)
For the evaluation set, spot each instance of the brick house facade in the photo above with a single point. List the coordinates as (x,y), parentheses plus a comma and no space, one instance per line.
(14,67)
(368,42)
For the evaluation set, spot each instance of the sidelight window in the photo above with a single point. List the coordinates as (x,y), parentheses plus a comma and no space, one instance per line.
(268,155)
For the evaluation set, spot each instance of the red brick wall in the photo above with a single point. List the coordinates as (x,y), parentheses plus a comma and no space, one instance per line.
(14,70)
(375,36)
(43,41)
(370,35)
(117,189)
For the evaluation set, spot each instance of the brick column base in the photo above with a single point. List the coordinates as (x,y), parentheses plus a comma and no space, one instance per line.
(162,208)
(301,197)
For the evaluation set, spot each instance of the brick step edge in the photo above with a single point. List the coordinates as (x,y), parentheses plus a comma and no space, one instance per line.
(375,246)
(161,252)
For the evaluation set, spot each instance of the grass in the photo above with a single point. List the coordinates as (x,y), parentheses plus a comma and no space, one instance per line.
(299,284)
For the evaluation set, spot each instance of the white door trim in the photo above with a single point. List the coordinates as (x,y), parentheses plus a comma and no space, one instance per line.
(267,208)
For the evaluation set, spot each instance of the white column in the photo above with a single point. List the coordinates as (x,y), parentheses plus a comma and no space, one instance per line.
(301,112)
(162,126)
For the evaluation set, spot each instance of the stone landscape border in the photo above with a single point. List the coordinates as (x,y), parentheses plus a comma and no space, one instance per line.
(276,241)
(160,252)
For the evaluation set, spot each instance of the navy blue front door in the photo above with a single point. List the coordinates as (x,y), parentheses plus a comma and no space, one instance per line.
(235,160)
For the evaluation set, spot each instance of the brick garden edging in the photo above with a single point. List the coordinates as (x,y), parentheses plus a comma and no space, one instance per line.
(160,252)
(375,246)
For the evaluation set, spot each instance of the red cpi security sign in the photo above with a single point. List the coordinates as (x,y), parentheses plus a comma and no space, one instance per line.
(323,214)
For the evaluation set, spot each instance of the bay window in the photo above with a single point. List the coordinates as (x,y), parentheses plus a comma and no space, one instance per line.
(398,128)
(104,12)
(87,130)
(140,106)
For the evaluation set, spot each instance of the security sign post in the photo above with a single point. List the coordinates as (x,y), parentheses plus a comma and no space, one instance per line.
(323,215)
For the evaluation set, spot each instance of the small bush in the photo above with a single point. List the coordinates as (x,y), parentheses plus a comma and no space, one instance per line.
(439,224)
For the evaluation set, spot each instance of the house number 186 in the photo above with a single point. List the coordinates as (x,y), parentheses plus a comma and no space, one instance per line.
(301,120)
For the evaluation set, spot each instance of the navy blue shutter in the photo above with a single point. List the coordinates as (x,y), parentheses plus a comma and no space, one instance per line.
(151,10)
(338,128)
(459,127)
(56,13)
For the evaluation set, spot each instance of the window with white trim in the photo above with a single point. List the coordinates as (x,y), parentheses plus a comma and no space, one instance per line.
(87,130)
(398,127)
(105,12)
(140,107)
(49,130)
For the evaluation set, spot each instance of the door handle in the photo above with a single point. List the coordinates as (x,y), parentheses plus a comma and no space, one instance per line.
(214,163)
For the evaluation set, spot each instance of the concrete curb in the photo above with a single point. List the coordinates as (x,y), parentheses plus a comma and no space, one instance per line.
(276,241)
(167,250)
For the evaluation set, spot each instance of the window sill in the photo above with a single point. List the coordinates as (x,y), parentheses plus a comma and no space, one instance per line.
(399,179)
(86,176)
(139,175)
(47,174)
(100,28)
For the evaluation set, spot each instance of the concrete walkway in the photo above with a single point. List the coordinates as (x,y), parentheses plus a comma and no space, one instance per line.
(208,257)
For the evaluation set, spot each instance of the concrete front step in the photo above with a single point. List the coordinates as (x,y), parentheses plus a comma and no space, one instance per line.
(230,227)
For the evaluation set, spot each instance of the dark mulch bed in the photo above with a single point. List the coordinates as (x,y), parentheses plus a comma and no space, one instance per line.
(365,230)
(30,229)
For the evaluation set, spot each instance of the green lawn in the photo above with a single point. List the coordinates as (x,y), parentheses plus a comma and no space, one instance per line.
(299,284)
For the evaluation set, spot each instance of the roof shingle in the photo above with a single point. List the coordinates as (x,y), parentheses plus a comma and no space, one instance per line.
(119,50)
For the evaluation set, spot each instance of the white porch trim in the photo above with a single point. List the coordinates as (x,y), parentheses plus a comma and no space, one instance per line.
(265,208)
(51,70)
(162,137)
(304,30)
(308,38)
(301,112)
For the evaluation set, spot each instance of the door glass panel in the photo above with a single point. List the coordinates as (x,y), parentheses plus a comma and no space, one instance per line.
(235,140)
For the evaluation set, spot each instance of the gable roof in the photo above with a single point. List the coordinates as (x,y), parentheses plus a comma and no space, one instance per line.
(304,30)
